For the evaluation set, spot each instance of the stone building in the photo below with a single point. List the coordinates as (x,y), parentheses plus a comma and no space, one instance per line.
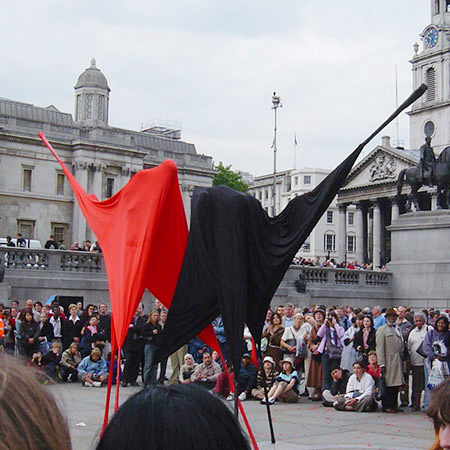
(371,186)
(35,197)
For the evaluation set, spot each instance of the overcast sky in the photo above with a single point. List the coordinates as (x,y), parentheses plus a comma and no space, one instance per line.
(213,65)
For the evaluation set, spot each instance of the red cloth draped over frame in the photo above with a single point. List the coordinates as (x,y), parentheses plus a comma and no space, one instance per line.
(142,231)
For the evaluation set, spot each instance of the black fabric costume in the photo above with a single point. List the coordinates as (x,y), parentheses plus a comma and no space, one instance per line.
(236,257)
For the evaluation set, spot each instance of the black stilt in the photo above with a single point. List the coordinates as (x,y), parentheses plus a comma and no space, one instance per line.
(266,394)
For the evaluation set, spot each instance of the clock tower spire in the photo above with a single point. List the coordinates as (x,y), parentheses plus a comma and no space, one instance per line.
(430,115)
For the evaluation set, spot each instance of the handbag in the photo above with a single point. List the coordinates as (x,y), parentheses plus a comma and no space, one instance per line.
(381,388)
(334,351)
(302,350)
(292,342)
(420,351)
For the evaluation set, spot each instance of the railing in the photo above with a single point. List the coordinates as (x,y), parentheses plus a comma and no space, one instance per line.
(13,258)
(352,277)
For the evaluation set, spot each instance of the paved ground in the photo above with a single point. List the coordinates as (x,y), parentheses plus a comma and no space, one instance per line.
(304,425)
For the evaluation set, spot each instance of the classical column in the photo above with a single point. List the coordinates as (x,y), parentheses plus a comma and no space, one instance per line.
(359,221)
(97,180)
(376,235)
(342,232)
(79,223)
(395,211)
(369,230)
(434,195)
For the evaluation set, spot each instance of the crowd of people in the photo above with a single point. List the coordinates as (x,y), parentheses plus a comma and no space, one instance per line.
(52,244)
(331,263)
(324,354)
(347,358)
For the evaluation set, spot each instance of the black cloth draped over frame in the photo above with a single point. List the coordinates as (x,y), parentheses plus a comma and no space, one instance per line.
(236,256)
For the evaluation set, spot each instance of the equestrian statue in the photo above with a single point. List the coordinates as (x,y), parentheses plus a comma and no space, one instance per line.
(431,171)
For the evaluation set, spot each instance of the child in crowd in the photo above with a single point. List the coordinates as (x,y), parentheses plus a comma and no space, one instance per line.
(286,384)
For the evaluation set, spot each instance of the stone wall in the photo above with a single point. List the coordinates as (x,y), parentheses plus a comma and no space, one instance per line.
(330,287)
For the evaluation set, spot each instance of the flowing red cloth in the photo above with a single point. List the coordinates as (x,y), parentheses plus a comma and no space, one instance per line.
(142,232)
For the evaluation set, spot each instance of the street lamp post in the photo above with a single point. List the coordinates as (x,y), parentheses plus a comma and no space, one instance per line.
(276,102)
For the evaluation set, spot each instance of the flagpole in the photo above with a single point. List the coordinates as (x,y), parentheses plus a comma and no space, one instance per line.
(295,151)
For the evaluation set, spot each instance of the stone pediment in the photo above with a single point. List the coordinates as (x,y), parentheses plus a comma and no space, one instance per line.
(382,165)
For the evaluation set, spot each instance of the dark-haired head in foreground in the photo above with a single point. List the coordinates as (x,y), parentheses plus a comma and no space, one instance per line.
(29,416)
(181,416)
(439,412)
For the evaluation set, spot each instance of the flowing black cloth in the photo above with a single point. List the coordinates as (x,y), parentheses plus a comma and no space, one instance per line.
(236,257)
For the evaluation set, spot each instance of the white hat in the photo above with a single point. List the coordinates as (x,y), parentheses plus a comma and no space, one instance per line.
(288,359)
(270,359)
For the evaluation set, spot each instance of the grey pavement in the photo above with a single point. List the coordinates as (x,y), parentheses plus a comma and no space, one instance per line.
(305,425)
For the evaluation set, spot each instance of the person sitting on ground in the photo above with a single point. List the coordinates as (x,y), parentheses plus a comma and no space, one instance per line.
(206,373)
(285,387)
(439,412)
(359,394)
(187,369)
(247,380)
(270,373)
(24,403)
(51,360)
(70,360)
(92,370)
(338,386)
(174,416)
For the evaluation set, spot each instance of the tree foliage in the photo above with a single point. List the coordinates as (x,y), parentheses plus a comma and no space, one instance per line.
(227,177)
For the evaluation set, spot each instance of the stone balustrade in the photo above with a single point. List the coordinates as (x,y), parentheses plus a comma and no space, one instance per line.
(344,276)
(39,273)
(15,258)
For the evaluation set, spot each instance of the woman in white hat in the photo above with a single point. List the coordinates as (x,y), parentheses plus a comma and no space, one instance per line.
(271,375)
(286,384)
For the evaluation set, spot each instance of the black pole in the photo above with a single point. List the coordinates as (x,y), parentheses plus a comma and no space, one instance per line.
(266,394)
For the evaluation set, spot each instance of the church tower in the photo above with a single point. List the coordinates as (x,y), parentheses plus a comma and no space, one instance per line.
(430,115)
(92,97)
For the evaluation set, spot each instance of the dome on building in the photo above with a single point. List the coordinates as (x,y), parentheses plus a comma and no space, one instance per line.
(92,77)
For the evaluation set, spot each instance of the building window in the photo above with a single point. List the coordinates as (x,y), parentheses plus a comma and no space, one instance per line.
(431,83)
(109,187)
(26,227)
(329,242)
(351,218)
(266,193)
(296,181)
(60,183)
(260,195)
(59,230)
(351,244)
(27,179)
(329,216)
(307,244)
(307,179)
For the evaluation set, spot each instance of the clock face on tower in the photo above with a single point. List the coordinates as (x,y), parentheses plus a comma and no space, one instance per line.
(430,37)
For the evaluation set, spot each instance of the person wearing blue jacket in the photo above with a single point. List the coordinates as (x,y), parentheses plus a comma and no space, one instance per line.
(435,342)
(92,370)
